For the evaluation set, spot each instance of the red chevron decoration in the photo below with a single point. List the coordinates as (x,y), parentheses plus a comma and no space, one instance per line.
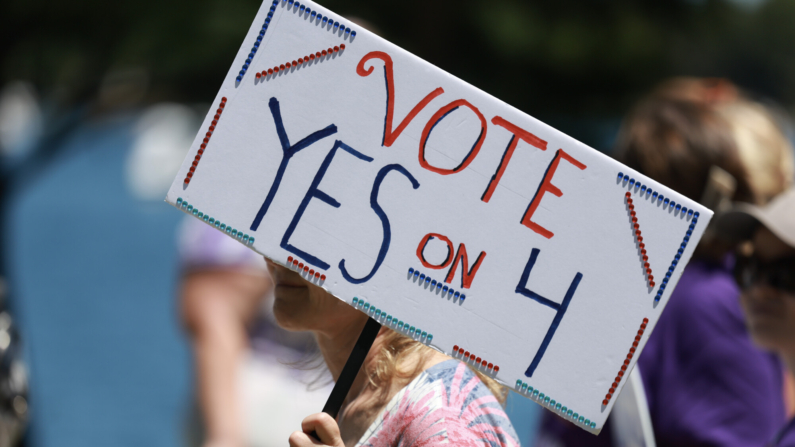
(639,238)
(305,61)
(625,366)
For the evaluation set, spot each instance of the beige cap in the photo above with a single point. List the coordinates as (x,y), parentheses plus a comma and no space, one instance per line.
(778,216)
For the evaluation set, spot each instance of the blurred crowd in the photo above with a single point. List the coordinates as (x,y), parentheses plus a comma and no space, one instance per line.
(123,323)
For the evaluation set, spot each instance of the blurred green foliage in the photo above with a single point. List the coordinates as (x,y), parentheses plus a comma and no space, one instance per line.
(574,58)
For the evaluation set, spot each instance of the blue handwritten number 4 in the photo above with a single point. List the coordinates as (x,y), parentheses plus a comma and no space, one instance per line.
(560,309)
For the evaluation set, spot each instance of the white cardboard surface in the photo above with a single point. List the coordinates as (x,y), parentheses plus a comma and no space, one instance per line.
(593,235)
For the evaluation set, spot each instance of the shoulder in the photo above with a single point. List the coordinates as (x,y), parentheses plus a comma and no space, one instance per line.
(447,403)
(706,293)
(703,308)
(703,324)
(700,368)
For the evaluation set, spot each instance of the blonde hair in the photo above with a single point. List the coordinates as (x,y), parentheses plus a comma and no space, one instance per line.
(764,150)
(389,364)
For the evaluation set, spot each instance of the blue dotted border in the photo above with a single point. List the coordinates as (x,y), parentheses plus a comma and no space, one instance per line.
(314,15)
(677,257)
(190,209)
(565,412)
(301,9)
(254,49)
(392,322)
(434,285)
(646,192)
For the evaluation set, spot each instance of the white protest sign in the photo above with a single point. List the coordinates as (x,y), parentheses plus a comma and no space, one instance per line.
(439,210)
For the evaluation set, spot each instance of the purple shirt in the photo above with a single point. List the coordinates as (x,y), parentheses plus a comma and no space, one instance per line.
(706,383)
(786,437)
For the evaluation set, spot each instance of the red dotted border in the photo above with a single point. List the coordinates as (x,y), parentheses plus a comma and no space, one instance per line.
(308,273)
(641,245)
(624,367)
(299,61)
(471,359)
(206,140)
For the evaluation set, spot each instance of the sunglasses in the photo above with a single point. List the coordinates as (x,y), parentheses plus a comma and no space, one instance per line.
(779,274)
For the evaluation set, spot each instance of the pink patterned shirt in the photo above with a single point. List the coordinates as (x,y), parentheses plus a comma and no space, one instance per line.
(445,405)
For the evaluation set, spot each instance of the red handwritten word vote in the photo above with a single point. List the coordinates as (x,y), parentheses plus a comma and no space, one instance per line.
(391,135)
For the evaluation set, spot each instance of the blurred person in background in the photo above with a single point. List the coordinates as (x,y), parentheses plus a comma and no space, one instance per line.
(249,391)
(765,271)
(222,288)
(766,152)
(20,127)
(14,413)
(706,383)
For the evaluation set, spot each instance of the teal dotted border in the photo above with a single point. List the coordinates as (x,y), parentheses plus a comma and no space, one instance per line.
(190,209)
(392,322)
(527,390)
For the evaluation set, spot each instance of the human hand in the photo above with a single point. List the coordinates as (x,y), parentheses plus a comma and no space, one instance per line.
(323,426)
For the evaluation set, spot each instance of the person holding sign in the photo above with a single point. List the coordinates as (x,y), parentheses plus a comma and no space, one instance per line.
(406,394)
(766,275)
(338,156)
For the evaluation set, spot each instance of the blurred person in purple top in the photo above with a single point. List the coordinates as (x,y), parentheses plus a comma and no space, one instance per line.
(706,383)
(766,273)
(251,382)
(222,287)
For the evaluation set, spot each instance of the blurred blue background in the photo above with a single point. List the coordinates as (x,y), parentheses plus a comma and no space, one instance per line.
(94,275)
